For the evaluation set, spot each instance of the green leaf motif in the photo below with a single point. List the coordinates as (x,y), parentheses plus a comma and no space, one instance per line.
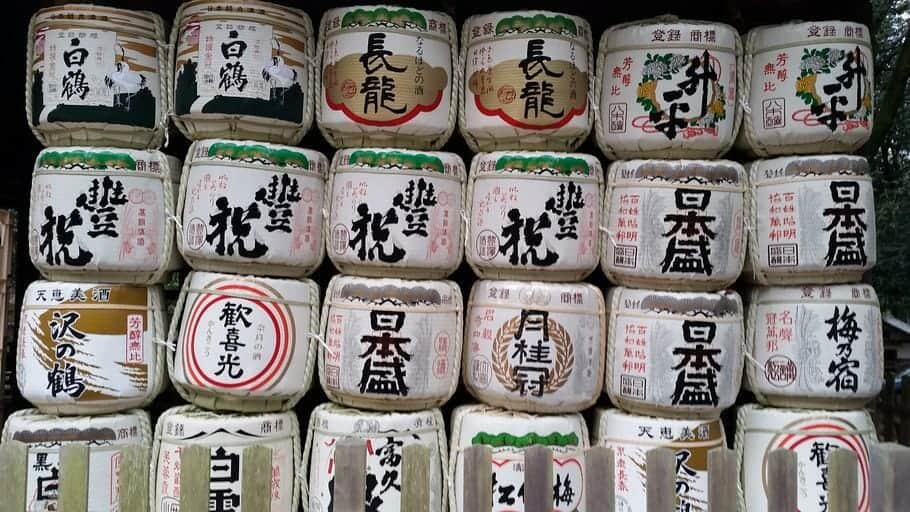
(505,439)
(563,165)
(87,158)
(404,18)
(282,157)
(397,159)
(557,24)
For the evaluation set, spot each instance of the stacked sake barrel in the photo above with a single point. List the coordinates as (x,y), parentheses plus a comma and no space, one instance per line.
(534,340)
(814,329)
(91,338)
(391,328)
(249,214)
(673,245)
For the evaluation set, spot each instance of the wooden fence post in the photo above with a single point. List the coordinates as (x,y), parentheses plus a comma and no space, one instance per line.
(13,462)
(890,473)
(477,487)
(903,412)
(350,474)
(782,480)
(256,479)
(660,466)
(842,474)
(723,476)
(538,479)
(134,478)
(599,479)
(74,482)
(415,478)
(195,470)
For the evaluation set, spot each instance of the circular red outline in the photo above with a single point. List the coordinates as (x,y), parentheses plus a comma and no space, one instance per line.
(392,122)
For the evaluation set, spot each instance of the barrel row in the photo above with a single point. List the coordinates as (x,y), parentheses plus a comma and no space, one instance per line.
(395,76)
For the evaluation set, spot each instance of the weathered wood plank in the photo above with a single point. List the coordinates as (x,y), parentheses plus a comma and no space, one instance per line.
(782,480)
(599,479)
(723,476)
(74,482)
(843,492)
(256,478)
(661,484)
(350,474)
(415,478)
(13,462)
(134,478)
(477,488)
(195,470)
(538,479)
(890,474)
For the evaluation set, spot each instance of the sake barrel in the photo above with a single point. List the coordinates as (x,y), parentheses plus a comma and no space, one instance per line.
(534,215)
(813,435)
(395,212)
(45,436)
(674,354)
(809,87)
(527,76)
(508,434)
(815,346)
(813,220)
(667,89)
(386,435)
(242,69)
(674,224)
(534,346)
(390,344)
(226,436)
(388,77)
(250,207)
(244,343)
(102,214)
(88,348)
(631,437)
(95,76)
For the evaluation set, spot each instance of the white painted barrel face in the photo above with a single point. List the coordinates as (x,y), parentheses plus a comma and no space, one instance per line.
(244,343)
(631,437)
(391,344)
(815,346)
(103,214)
(674,224)
(96,76)
(534,215)
(242,71)
(88,348)
(252,208)
(388,77)
(386,435)
(668,89)
(673,354)
(534,346)
(45,436)
(416,199)
(508,434)
(226,436)
(527,80)
(813,435)
(810,88)
(812,219)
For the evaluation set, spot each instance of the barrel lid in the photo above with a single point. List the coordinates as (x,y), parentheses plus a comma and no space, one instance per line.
(670,32)
(568,297)
(530,164)
(684,172)
(786,169)
(754,417)
(481,424)
(801,34)
(849,293)
(617,425)
(31,426)
(393,292)
(262,155)
(532,23)
(399,160)
(197,425)
(336,420)
(725,303)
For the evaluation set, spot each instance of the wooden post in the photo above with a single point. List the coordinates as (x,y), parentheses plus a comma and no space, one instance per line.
(477,487)
(661,480)
(904,412)
(74,482)
(723,476)
(538,479)
(843,493)
(890,473)
(782,480)
(13,468)
(256,478)
(415,478)
(350,474)
(195,470)
(599,479)
(134,478)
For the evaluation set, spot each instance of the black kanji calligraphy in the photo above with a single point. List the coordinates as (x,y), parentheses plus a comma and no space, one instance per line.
(563,492)
(531,373)
(232,73)
(379,91)
(564,206)
(385,355)
(234,319)
(59,229)
(696,380)
(48,487)
(238,220)
(63,379)
(844,331)
(530,231)
(371,235)
(75,83)
(854,73)
(690,234)
(101,202)
(537,94)
(277,197)
(700,76)
(847,242)
(415,201)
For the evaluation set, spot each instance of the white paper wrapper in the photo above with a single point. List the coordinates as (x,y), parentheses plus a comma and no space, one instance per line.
(809,87)
(87,348)
(507,434)
(674,224)
(390,343)
(105,436)
(534,215)
(666,88)
(387,77)
(815,346)
(96,76)
(527,77)
(674,354)
(102,214)
(812,220)
(813,435)
(395,212)
(242,70)
(251,207)
(533,346)
(244,343)
(632,437)
(386,436)
(226,435)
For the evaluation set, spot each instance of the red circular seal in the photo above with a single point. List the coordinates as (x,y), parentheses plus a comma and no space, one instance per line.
(506,94)
(348,88)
